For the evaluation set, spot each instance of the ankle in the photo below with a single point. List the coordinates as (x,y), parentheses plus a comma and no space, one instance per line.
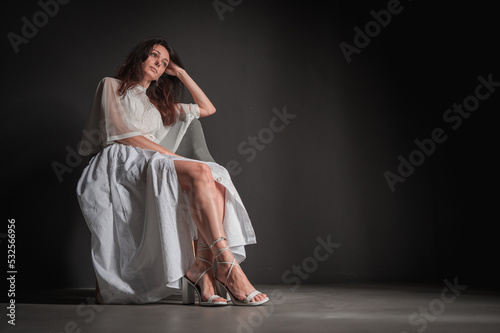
(225,256)
(205,255)
(219,246)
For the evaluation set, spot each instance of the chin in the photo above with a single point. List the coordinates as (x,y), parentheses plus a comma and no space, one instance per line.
(149,77)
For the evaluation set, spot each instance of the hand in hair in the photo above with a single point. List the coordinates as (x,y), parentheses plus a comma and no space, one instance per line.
(173,69)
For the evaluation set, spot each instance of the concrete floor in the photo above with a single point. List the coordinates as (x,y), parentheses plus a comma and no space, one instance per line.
(308,308)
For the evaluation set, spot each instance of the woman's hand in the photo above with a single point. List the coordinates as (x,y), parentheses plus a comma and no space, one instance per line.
(173,69)
(199,97)
(141,142)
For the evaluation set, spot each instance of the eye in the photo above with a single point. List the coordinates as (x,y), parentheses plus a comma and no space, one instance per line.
(154,55)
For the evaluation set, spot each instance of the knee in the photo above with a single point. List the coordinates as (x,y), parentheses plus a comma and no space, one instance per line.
(201,175)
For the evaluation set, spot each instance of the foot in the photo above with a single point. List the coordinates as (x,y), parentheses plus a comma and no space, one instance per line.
(237,282)
(206,282)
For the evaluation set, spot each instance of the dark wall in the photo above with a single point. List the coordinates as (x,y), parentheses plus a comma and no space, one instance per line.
(317,176)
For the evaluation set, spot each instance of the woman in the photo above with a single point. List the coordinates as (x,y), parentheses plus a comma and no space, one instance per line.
(144,204)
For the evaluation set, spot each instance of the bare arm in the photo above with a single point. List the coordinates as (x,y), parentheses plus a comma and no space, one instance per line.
(199,97)
(141,142)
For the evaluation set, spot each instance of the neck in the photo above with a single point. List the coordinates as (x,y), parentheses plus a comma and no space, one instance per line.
(145,83)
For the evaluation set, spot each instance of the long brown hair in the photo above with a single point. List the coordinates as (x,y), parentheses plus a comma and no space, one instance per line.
(163,93)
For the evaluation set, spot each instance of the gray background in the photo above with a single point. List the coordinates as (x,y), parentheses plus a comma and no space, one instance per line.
(321,175)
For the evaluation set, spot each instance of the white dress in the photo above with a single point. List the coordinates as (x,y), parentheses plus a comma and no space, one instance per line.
(138,216)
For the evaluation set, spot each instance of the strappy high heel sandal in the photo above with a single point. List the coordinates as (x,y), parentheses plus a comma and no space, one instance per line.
(202,246)
(247,300)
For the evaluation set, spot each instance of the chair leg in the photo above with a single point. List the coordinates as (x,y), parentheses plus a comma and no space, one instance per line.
(187,293)
(98,296)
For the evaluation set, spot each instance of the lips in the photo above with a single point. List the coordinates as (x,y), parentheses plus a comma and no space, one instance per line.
(154,69)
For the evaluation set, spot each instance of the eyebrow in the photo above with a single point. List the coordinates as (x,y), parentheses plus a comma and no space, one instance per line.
(160,54)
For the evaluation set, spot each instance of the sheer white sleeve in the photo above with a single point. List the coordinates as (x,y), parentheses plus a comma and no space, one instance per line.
(110,119)
(171,136)
(188,110)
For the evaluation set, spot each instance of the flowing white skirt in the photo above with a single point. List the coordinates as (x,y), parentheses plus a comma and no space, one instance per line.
(140,222)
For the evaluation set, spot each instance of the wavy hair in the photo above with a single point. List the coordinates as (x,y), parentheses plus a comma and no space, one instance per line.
(165,92)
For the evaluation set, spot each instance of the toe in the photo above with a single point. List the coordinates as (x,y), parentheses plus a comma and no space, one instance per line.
(220,299)
(258,298)
(215,300)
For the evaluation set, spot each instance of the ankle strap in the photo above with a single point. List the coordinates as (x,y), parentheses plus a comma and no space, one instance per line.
(205,260)
(218,252)
(217,240)
(202,246)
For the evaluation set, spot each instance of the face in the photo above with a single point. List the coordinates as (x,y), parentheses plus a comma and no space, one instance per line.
(156,64)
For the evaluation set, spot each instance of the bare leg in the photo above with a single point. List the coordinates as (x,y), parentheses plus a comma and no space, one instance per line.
(206,202)
(221,198)
(206,282)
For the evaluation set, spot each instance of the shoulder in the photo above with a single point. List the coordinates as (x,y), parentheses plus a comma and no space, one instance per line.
(110,82)
(108,86)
